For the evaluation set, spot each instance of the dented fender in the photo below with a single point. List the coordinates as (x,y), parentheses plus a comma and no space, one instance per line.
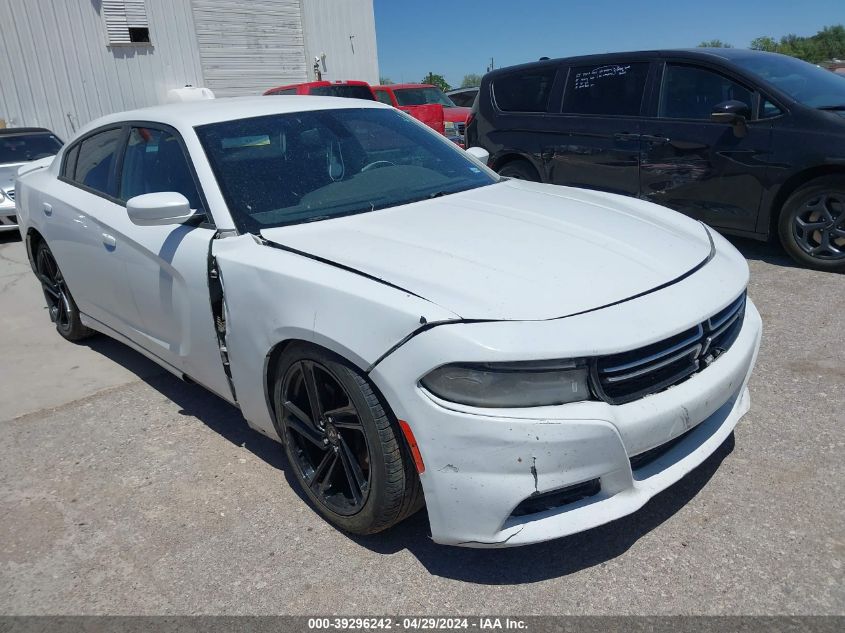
(273,295)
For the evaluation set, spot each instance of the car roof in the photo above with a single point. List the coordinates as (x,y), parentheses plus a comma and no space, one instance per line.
(702,54)
(9,131)
(188,114)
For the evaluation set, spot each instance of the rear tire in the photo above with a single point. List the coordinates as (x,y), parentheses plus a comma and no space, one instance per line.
(344,447)
(811,225)
(60,304)
(520,170)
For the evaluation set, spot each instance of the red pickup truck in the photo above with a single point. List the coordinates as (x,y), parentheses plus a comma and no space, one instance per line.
(410,95)
(431,114)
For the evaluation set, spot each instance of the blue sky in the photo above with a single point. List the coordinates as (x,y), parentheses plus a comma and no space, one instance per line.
(457,37)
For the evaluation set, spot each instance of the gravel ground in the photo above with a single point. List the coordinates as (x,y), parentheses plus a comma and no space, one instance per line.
(125,491)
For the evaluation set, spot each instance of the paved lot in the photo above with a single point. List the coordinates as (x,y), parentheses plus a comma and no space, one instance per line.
(123,490)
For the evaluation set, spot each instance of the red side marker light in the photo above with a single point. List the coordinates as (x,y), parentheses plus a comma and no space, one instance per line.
(412,444)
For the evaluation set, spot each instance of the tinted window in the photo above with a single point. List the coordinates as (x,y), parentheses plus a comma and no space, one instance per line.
(421,96)
(284,91)
(96,158)
(154,162)
(384,97)
(463,99)
(352,92)
(806,83)
(322,164)
(609,89)
(690,93)
(524,92)
(22,148)
(70,162)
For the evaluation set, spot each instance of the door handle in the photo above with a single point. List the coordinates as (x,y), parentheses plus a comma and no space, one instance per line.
(108,241)
(655,139)
(626,136)
(48,209)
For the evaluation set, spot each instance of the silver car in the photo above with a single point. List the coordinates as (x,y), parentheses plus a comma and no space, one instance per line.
(19,146)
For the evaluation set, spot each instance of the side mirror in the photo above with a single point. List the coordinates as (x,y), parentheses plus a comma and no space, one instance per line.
(165,207)
(732,112)
(479,153)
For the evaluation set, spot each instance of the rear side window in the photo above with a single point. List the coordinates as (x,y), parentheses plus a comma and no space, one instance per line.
(690,93)
(524,92)
(70,162)
(352,92)
(96,159)
(383,96)
(154,162)
(608,89)
(284,91)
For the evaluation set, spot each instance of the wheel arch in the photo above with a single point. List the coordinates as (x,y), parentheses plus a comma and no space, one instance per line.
(32,240)
(500,160)
(792,184)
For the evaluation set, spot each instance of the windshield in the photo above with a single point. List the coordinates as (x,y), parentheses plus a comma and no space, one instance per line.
(422,96)
(806,83)
(22,148)
(305,166)
(353,91)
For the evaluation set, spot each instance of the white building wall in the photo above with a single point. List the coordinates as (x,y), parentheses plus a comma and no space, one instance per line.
(56,70)
(248,47)
(328,26)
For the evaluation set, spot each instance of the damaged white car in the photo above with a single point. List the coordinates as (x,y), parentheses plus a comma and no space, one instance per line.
(527,360)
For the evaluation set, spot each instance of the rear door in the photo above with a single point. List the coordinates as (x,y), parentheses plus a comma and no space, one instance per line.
(594,138)
(704,169)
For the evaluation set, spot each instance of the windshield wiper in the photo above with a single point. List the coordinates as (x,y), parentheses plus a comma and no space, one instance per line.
(832,107)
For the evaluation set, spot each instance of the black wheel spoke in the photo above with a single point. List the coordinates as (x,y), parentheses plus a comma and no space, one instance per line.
(344,417)
(323,470)
(354,475)
(305,431)
(299,414)
(313,390)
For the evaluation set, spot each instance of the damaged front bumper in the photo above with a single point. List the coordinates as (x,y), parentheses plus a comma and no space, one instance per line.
(484,468)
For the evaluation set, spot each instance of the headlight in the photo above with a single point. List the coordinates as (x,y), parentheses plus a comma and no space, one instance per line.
(520,384)
(451,128)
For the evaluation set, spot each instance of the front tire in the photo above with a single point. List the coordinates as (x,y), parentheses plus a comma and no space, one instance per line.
(811,225)
(60,304)
(343,445)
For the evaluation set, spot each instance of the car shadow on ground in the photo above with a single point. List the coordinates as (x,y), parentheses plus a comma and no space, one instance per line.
(526,564)
(770,252)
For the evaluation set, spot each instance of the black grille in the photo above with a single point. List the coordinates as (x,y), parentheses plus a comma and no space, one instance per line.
(645,458)
(620,378)
(10,194)
(461,128)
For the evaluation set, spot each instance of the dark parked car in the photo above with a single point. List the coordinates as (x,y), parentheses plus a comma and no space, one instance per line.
(752,143)
(463,96)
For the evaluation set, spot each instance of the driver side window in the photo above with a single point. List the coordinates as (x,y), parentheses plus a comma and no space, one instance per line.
(154,162)
(690,93)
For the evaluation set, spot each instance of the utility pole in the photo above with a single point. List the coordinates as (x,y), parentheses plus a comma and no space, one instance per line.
(491,65)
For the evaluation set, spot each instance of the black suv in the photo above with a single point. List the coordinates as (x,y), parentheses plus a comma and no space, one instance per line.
(752,143)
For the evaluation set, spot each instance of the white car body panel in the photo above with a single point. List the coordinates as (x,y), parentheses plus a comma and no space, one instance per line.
(514,250)
(509,272)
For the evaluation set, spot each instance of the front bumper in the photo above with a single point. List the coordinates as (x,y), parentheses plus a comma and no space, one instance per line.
(481,464)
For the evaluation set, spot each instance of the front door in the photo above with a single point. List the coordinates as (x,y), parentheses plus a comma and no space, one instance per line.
(594,141)
(167,266)
(711,171)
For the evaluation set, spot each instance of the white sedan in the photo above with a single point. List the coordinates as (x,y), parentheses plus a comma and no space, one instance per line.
(527,360)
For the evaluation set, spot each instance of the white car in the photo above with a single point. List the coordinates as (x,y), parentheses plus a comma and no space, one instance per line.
(19,146)
(528,360)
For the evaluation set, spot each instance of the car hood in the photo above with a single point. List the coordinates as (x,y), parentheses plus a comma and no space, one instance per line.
(512,251)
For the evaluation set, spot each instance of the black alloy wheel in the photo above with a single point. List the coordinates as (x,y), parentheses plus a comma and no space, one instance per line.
(60,304)
(326,437)
(343,444)
(812,224)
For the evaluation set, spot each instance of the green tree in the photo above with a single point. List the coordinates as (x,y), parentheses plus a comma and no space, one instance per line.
(437,80)
(764,43)
(384,81)
(714,44)
(471,81)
